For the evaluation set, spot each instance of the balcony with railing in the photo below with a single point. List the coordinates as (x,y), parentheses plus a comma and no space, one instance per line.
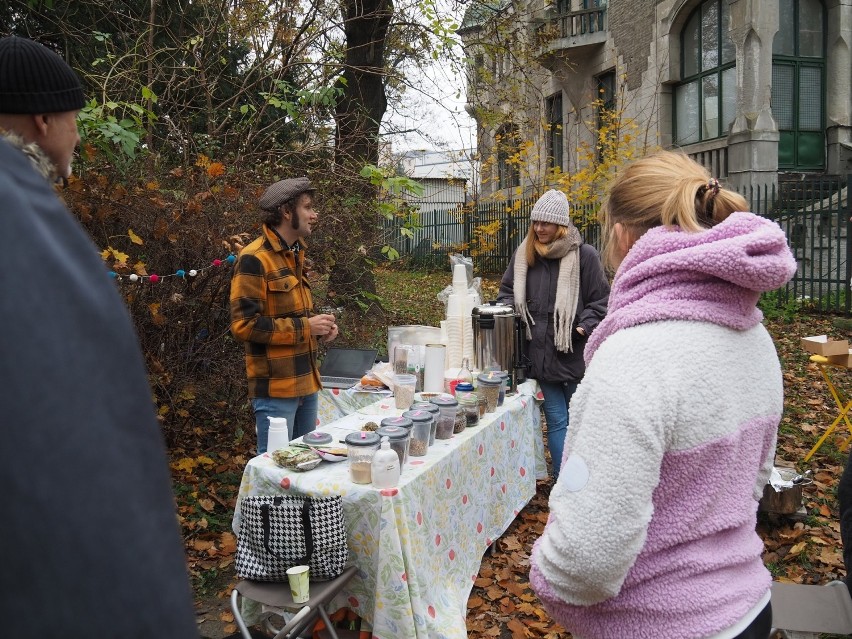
(565,28)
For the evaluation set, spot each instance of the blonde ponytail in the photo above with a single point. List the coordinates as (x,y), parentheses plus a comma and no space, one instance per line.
(664,189)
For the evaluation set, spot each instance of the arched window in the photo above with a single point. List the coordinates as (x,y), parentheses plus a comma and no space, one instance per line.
(508,147)
(798,85)
(705,99)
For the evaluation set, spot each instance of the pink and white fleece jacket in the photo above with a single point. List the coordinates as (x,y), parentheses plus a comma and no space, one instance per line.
(672,437)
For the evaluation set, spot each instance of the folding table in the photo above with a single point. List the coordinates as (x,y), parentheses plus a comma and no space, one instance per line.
(843,403)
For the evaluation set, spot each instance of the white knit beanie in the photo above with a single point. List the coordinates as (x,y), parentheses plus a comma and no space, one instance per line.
(552,207)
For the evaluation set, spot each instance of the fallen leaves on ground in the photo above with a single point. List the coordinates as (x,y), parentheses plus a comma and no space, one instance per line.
(806,549)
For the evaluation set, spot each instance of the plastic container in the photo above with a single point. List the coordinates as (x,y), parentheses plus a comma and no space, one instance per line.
(279,436)
(459,420)
(360,448)
(400,422)
(448,407)
(504,388)
(420,432)
(463,388)
(469,403)
(403,360)
(434,411)
(317,438)
(398,441)
(385,466)
(403,390)
(489,386)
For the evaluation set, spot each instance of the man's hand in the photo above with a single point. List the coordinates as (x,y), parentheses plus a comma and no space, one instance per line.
(331,334)
(322,325)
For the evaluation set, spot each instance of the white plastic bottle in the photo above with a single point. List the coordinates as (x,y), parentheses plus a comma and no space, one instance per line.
(385,466)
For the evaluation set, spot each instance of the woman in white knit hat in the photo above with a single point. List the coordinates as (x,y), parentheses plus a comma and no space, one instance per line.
(557,285)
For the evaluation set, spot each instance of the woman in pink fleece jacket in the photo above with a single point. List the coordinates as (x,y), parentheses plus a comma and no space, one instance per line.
(652,521)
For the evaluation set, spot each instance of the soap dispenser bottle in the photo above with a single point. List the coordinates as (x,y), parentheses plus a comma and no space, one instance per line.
(385,466)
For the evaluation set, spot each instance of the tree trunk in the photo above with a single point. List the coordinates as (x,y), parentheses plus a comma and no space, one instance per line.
(359,115)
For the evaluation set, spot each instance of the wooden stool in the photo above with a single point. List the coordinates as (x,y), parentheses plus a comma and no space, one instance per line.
(823,364)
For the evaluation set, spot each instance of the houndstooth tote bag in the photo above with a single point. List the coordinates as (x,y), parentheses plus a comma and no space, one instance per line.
(277,533)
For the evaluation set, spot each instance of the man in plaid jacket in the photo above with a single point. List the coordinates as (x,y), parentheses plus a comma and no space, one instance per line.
(272,311)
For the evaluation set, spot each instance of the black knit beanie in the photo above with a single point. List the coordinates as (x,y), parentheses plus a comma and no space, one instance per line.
(33,79)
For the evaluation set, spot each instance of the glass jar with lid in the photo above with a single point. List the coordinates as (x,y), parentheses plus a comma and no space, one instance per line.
(489,386)
(448,406)
(434,411)
(360,448)
(398,438)
(469,403)
(422,420)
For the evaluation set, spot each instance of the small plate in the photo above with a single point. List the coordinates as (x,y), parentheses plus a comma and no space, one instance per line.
(308,465)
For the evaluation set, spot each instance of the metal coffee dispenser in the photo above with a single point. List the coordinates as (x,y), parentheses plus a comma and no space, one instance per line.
(496,340)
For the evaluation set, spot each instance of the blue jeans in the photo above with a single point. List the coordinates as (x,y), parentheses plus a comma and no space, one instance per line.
(557,398)
(301,414)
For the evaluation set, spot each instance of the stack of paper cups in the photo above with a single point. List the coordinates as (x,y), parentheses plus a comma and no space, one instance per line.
(455,341)
(467,337)
(460,278)
(433,373)
(456,304)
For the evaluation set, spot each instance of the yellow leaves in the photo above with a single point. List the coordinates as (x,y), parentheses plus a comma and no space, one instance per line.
(831,557)
(134,238)
(797,549)
(158,318)
(153,185)
(207,504)
(117,255)
(186,464)
(213,169)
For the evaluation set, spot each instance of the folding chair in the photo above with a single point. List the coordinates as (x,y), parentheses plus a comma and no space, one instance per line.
(844,404)
(277,596)
(802,611)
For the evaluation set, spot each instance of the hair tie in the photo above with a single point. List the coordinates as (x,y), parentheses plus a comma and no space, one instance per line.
(713,186)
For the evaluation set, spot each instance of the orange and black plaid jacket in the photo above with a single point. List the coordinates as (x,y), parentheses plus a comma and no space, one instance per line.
(270,306)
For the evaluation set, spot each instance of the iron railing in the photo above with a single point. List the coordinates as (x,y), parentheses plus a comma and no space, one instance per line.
(814,212)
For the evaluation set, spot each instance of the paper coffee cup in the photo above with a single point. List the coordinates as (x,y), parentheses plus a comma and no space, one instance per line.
(299,586)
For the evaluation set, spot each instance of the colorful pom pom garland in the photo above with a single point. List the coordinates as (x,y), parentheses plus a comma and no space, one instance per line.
(180,273)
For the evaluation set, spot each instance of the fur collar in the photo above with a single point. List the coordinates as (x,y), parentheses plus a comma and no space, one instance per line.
(41,163)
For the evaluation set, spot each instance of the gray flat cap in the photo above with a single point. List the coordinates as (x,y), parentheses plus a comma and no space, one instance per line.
(284,190)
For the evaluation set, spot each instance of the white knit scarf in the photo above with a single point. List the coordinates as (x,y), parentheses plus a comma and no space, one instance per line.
(566,250)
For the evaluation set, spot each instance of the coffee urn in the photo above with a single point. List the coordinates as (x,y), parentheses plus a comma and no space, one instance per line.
(495,340)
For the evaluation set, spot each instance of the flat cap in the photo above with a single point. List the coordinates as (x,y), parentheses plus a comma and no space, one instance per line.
(284,190)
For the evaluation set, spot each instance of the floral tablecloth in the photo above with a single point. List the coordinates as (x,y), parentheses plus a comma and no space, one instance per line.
(418,547)
(335,403)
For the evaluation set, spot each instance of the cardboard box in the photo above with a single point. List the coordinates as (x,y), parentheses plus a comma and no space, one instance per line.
(821,345)
(842,360)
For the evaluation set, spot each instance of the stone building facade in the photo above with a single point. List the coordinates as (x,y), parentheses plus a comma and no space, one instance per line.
(756,90)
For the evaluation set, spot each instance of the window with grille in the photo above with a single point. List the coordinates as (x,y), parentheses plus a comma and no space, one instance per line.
(605,110)
(508,149)
(553,134)
(798,84)
(705,99)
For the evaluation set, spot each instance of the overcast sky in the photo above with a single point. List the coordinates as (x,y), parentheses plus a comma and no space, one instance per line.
(436,114)
(436,111)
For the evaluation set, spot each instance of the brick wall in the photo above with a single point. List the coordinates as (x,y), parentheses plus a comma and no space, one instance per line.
(631,26)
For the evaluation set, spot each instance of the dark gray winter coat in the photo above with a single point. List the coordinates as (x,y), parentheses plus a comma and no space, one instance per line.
(545,362)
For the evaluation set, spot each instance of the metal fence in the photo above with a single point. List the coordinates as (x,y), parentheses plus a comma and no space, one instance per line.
(814,212)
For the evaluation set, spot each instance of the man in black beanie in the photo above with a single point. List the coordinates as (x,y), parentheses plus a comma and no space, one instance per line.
(91,544)
(40,97)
